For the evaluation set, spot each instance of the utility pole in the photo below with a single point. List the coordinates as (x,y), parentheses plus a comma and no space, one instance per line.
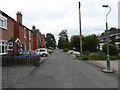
(80,30)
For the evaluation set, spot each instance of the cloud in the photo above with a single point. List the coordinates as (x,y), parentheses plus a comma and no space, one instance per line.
(51,16)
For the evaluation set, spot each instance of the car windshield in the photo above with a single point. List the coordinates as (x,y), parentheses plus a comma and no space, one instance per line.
(42,50)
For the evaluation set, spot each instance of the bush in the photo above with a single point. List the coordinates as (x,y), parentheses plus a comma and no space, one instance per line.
(112,49)
(118,57)
(85,57)
(94,57)
(36,63)
(113,57)
(65,50)
(102,55)
(87,53)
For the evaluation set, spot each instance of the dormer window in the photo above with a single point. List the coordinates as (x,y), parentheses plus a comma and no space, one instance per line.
(3,22)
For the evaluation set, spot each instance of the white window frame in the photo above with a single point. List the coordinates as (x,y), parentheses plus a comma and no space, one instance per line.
(29,35)
(10,45)
(3,22)
(5,47)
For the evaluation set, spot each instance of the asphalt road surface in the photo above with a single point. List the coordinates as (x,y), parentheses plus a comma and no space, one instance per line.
(61,70)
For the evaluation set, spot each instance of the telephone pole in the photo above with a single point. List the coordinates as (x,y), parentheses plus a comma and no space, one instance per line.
(80,30)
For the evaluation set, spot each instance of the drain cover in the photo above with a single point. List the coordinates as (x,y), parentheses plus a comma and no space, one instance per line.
(49,77)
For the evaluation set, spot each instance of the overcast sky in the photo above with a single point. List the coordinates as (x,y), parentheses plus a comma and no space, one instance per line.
(52,16)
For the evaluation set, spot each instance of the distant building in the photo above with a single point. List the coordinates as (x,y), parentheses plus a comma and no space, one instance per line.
(114,38)
(36,38)
(43,40)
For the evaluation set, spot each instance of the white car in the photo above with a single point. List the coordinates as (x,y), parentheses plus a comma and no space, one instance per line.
(42,52)
(73,52)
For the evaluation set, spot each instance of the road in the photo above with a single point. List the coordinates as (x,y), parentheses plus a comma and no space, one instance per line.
(61,70)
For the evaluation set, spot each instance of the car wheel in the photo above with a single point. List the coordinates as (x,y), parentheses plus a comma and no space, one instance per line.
(44,55)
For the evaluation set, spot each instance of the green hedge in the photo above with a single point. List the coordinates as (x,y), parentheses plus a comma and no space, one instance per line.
(65,50)
(85,58)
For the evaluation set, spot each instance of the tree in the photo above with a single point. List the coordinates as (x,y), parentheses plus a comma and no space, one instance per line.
(75,41)
(50,40)
(89,43)
(63,41)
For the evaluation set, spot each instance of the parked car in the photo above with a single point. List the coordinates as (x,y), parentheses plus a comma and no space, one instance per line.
(50,51)
(73,52)
(42,52)
(25,53)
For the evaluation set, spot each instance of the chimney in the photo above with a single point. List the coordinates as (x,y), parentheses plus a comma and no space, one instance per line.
(19,17)
(33,27)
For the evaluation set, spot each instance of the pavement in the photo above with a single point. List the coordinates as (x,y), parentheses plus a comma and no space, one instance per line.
(10,75)
(103,64)
(114,64)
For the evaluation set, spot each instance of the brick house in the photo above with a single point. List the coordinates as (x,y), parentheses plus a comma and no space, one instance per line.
(36,38)
(14,36)
(114,38)
(43,40)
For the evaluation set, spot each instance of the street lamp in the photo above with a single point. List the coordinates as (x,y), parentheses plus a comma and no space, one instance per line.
(108,56)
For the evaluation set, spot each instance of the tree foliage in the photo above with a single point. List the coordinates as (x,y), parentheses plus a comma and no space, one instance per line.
(63,41)
(89,43)
(50,40)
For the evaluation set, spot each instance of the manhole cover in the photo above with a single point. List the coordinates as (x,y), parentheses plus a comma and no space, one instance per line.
(49,77)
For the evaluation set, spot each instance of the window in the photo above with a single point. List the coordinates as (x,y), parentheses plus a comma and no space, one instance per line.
(29,46)
(24,46)
(118,36)
(3,47)
(3,22)
(24,33)
(10,46)
(29,35)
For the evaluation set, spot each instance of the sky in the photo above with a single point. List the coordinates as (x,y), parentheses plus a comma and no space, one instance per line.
(52,16)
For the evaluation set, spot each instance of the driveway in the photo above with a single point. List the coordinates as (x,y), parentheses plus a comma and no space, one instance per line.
(61,70)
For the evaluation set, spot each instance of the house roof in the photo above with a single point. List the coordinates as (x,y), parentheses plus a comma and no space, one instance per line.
(110,33)
(1,12)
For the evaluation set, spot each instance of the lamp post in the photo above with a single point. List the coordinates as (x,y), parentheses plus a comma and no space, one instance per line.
(108,56)
(80,31)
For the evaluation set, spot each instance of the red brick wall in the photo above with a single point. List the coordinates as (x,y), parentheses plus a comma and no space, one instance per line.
(9,32)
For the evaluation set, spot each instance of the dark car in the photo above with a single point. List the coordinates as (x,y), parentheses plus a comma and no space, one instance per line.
(25,53)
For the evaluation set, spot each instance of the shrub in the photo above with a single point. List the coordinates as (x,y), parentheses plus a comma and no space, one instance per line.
(36,63)
(87,53)
(65,50)
(94,57)
(112,49)
(102,55)
(113,57)
(118,57)
(85,57)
